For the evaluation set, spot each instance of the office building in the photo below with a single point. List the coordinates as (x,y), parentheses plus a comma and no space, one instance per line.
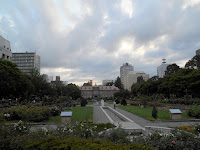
(45,77)
(104,82)
(98,92)
(124,70)
(132,77)
(27,61)
(5,50)
(162,68)
(57,82)
(50,78)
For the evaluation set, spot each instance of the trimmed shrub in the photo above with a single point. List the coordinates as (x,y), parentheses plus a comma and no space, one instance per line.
(194,112)
(154,112)
(82,144)
(117,101)
(33,113)
(83,102)
(123,102)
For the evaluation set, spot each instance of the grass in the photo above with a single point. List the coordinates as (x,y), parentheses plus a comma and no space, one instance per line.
(78,115)
(81,114)
(147,113)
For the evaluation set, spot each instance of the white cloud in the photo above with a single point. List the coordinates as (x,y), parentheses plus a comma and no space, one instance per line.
(190,3)
(127,7)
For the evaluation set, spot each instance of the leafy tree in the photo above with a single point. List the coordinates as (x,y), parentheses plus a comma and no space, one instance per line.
(87,84)
(118,83)
(171,69)
(10,79)
(122,94)
(194,63)
(140,79)
(123,102)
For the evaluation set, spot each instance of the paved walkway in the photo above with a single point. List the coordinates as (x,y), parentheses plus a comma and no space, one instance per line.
(100,117)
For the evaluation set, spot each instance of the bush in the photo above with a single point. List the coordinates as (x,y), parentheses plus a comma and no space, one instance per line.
(82,144)
(83,102)
(34,113)
(123,102)
(194,112)
(117,101)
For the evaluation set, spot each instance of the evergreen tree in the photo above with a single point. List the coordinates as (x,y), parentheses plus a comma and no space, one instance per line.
(154,112)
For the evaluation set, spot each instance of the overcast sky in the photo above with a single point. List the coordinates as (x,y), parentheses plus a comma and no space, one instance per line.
(83,40)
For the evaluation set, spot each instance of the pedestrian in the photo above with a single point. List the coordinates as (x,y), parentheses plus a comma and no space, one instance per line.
(114,104)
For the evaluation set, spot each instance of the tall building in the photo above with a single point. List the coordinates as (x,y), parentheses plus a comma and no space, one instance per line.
(27,61)
(198,52)
(132,77)
(50,78)
(124,70)
(104,82)
(5,50)
(162,68)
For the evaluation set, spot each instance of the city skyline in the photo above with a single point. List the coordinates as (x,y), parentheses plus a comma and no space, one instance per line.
(87,40)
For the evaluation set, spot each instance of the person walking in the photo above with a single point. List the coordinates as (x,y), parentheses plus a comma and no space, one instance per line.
(114,104)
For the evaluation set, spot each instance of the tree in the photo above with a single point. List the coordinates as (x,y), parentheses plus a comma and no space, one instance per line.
(118,83)
(154,112)
(140,79)
(87,84)
(10,79)
(194,63)
(171,69)
(123,102)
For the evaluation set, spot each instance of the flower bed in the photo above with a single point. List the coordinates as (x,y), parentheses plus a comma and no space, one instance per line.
(33,113)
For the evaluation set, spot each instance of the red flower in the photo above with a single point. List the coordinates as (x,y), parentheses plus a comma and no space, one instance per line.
(173,142)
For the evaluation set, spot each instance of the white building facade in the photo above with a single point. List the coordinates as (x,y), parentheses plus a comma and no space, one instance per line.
(132,78)
(27,61)
(124,70)
(5,50)
(162,68)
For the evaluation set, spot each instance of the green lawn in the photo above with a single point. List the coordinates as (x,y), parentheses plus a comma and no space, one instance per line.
(78,114)
(147,113)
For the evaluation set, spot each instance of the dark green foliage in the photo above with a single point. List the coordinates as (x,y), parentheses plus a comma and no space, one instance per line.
(83,102)
(180,83)
(140,79)
(122,94)
(194,63)
(171,69)
(118,83)
(123,102)
(117,101)
(154,112)
(194,112)
(79,144)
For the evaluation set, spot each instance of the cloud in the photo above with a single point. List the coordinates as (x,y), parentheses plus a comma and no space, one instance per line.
(83,39)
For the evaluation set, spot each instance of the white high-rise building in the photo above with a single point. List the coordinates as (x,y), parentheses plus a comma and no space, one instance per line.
(132,77)
(27,61)
(5,50)
(124,70)
(162,68)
